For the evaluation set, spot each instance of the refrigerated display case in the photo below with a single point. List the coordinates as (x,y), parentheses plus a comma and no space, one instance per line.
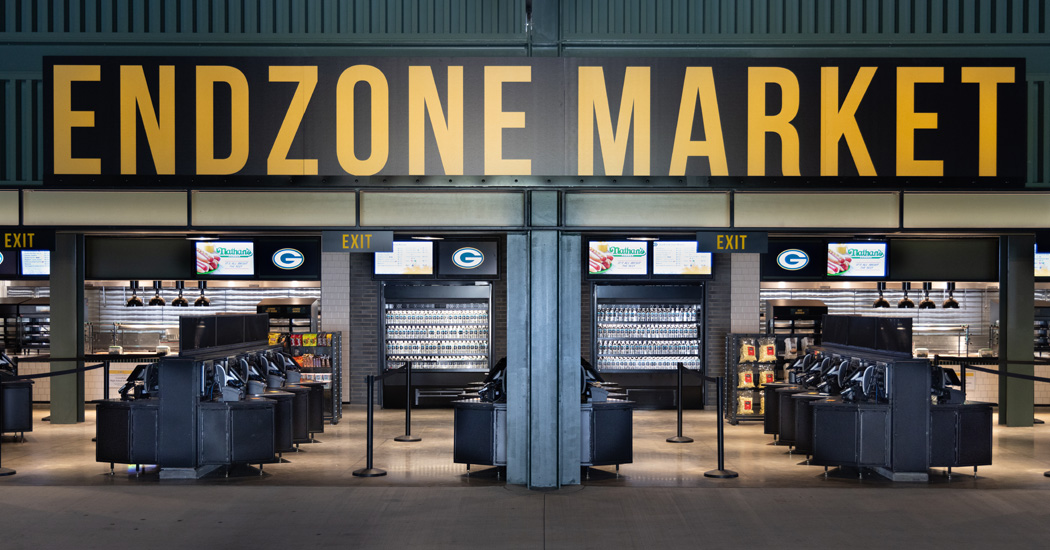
(641,332)
(444,330)
(290,315)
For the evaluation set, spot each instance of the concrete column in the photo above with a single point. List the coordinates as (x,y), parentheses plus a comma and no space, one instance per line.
(519,329)
(570,270)
(1016,315)
(543,359)
(67,327)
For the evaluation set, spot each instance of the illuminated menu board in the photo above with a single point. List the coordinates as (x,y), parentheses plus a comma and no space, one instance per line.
(1042,264)
(680,258)
(866,259)
(224,258)
(36,262)
(407,258)
(618,258)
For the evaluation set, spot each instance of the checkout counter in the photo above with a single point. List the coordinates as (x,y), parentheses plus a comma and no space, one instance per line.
(218,405)
(480,423)
(873,406)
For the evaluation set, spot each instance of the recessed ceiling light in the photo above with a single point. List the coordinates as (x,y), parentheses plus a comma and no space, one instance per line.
(643,238)
(202,238)
(429,238)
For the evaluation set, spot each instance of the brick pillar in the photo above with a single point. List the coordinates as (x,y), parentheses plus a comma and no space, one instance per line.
(335,305)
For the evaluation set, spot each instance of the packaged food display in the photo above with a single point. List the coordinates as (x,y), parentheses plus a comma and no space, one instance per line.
(747,350)
(767,350)
(309,339)
(745,379)
(273,338)
(745,403)
(766,376)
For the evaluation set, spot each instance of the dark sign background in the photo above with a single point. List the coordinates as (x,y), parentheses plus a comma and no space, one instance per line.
(549,102)
(9,264)
(309,271)
(489,269)
(815,270)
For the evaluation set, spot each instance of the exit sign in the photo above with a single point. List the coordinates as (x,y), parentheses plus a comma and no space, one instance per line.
(751,242)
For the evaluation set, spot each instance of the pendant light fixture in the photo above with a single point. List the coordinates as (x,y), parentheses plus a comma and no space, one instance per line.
(180,301)
(950,303)
(881,302)
(156,300)
(134,301)
(202,301)
(926,302)
(905,301)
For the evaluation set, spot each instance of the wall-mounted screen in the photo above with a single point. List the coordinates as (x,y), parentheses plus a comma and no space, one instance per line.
(680,258)
(407,258)
(36,263)
(618,258)
(863,259)
(1042,263)
(468,259)
(225,259)
(288,258)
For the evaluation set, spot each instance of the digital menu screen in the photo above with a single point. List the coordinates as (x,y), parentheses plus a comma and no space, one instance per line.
(407,258)
(36,263)
(225,258)
(618,258)
(680,258)
(867,259)
(1042,263)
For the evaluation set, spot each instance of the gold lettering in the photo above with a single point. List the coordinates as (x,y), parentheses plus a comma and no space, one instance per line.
(344,120)
(759,123)
(345,236)
(837,122)
(988,140)
(593,104)
(496,119)
(908,121)
(65,118)
(699,81)
(159,124)
(742,239)
(278,162)
(448,133)
(368,240)
(207,77)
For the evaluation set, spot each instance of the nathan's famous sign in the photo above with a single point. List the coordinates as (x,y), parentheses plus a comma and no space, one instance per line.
(833,118)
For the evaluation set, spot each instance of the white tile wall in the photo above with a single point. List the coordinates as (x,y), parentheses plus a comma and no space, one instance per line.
(744,293)
(335,305)
(982,386)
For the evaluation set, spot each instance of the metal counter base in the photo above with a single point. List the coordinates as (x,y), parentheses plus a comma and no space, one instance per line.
(480,433)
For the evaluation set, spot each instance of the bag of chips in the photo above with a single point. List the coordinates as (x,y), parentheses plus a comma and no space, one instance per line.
(747,350)
(745,403)
(766,376)
(745,379)
(767,350)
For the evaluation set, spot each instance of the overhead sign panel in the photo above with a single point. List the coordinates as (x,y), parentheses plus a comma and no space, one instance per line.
(879,121)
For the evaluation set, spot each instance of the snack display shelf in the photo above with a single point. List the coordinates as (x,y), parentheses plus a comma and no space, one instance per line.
(750,363)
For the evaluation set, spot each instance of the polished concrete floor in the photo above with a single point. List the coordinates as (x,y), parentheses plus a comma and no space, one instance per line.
(61,498)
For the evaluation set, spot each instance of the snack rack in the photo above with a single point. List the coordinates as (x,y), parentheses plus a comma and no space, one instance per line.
(750,363)
(320,359)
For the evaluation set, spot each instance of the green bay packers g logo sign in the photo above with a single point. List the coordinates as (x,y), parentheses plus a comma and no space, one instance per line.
(468,257)
(792,259)
(288,258)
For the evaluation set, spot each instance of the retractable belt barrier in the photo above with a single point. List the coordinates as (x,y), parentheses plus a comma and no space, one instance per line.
(370,382)
(721,472)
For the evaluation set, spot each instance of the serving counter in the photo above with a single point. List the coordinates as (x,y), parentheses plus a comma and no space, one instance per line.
(480,432)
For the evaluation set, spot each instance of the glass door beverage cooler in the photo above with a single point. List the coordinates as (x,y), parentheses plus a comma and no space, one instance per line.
(443,329)
(641,332)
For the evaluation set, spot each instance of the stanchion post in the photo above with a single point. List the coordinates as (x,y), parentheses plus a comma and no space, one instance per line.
(721,472)
(680,438)
(105,380)
(3,471)
(408,407)
(368,470)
